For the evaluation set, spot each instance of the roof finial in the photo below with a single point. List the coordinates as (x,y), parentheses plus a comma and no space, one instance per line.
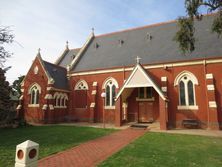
(138,59)
(39,51)
(92,30)
(67,44)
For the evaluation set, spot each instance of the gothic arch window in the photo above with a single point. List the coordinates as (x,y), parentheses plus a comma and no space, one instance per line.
(81,85)
(34,92)
(110,86)
(186,82)
(60,100)
(56,99)
(65,99)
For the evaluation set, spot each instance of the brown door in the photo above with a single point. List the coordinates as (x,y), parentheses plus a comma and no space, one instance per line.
(145,112)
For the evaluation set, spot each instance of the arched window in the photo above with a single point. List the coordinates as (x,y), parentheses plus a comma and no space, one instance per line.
(110,86)
(34,92)
(65,100)
(186,82)
(81,85)
(57,99)
(60,100)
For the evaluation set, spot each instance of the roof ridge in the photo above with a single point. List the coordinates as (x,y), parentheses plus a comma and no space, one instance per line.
(147,26)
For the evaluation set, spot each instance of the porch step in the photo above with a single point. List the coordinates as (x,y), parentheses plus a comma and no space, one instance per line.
(139,126)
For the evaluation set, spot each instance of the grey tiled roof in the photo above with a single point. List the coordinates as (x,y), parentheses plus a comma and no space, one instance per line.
(161,48)
(58,74)
(66,60)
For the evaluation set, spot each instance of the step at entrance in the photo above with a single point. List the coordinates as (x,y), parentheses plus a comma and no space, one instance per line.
(139,126)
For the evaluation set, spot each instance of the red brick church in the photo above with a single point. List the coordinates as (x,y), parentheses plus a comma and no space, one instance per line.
(144,75)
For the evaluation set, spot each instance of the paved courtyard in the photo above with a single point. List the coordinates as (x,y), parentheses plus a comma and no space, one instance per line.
(93,152)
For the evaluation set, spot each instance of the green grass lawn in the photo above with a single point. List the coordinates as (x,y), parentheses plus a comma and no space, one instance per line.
(169,150)
(51,139)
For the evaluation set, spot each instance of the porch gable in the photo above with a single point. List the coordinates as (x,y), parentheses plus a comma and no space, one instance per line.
(140,78)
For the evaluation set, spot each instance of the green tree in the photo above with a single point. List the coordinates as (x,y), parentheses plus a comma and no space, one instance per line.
(185,35)
(16,85)
(6,113)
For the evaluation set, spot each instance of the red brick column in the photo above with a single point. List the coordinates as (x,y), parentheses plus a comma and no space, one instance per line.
(48,113)
(118,112)
(93,103)
(163,105)
(163,113)
(212,104)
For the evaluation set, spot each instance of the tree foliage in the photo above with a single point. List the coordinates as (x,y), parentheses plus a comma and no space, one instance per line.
(185,35)
(6,111)
(6,36)
(16,85)
(7,114)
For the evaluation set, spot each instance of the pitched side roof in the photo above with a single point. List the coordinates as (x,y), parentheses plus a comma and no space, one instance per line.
(67,57)
(58,74)
(154,44)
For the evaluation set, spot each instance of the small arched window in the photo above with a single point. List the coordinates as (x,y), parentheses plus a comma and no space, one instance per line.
(34,92)
(110,86)
(186,82)
(60,100)
(81,85)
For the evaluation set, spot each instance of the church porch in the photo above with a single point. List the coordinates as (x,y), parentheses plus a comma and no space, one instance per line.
(141,100)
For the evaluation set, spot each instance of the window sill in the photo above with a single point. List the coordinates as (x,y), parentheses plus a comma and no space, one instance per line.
(33,105)
(110,107)
(187,107)
(149,99)
(60,107)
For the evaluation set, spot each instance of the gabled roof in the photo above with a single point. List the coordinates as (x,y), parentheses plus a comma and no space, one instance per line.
(67,57)
(58,74)
(154,44)
(140,78)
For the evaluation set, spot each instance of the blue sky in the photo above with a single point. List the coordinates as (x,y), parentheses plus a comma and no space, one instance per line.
(48,24)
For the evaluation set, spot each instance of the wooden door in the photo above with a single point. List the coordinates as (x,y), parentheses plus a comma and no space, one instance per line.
(145,112)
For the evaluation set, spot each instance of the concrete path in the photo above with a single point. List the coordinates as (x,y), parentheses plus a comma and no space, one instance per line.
(93,152)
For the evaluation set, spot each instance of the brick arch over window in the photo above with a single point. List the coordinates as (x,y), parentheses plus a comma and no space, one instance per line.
(110,85)
(34,91)
(186,82)
(81,85)
(80,94)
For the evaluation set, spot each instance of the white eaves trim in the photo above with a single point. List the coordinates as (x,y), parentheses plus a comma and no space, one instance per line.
(179,64)
(146,76)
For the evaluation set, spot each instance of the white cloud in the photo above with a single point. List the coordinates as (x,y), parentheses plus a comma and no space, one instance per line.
(47,24)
